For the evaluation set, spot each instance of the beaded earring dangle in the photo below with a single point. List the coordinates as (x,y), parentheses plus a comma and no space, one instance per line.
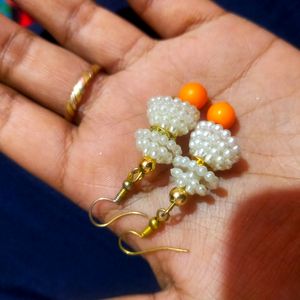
(211,149)
(169,118)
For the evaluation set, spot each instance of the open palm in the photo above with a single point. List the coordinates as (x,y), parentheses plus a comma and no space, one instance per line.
(243,240)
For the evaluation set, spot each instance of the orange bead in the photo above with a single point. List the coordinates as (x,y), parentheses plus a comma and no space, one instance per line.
(194,93)
(222,113)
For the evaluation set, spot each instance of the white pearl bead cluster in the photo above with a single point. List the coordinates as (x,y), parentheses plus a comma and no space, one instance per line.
(172,114)
(214,145)
(196,179)
(156,145)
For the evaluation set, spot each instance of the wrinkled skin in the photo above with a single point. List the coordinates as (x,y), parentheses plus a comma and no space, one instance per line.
(243,240)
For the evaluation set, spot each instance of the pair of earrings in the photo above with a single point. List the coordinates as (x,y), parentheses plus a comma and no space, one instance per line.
(211,149)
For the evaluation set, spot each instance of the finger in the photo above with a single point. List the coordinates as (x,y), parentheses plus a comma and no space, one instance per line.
(94,33)
(34,137)
(171,18)
(42,71)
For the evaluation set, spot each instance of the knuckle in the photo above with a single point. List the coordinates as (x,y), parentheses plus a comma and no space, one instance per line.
(78,18)
(13,51)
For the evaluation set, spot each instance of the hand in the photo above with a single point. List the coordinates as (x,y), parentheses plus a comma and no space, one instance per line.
(244,243)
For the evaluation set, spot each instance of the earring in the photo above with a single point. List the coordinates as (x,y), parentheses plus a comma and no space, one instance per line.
(169,118)
(211,148)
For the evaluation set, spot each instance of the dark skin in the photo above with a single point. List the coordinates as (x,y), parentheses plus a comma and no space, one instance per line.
(242,240)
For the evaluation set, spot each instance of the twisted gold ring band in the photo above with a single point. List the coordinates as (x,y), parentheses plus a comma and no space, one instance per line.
(78,92)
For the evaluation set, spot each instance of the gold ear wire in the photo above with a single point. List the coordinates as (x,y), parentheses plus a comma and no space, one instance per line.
(101,225)
(178,197)
(153,225)
(146,251)
(91,216)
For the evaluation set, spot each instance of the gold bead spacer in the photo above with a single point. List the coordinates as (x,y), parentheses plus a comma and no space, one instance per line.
(201,162)
(148,165)
(179,196)
(164,131)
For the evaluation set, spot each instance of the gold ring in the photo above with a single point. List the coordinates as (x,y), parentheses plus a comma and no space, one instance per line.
(78,92)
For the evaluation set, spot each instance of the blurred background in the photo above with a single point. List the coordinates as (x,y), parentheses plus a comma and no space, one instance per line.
(48,248)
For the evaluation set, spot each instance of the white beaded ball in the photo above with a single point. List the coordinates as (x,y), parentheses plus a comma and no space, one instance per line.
(156,145)
(194,178)
(214,145)
(172,114)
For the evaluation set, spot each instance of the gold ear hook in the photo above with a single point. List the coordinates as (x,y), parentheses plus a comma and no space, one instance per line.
(97,224)
(146,251)
(178,197)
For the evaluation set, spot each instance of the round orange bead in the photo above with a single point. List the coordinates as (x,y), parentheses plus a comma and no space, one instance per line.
(222,113)
(194,93)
